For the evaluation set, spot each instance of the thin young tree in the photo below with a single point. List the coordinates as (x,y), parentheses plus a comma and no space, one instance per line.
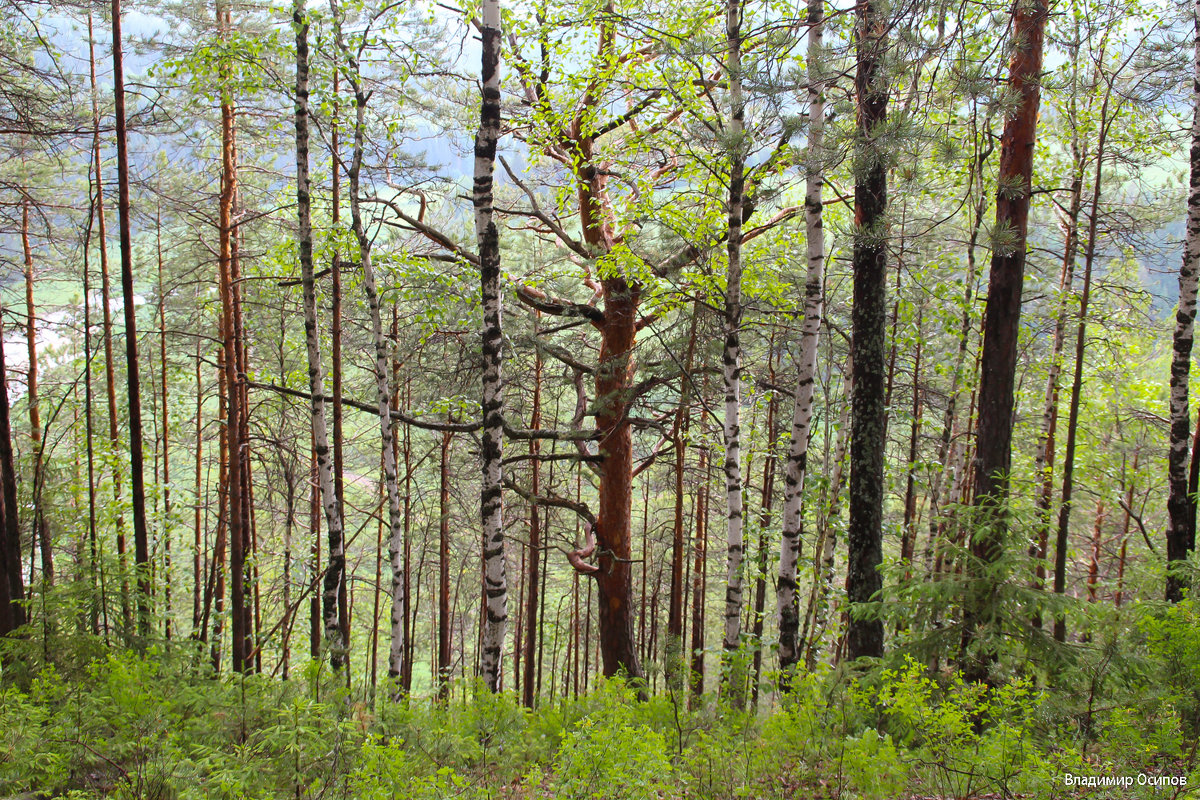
(141,547)
(350,70)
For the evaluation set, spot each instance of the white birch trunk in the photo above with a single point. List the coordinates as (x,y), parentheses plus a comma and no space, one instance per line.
(492,446)
(312,340)
(1181,535)
(732,357)
(797,459)
(383,392)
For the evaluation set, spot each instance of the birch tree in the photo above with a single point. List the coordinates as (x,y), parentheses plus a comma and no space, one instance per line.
(312,338)
(731,360)
(495,583)
(1181,533)
(814,301)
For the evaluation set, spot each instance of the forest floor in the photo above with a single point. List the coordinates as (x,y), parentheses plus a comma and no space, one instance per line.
(160,727)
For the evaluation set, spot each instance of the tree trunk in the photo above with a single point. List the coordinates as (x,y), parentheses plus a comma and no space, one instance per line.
(1181,532)
(315,498)
(216,597)
(110,372)
(814,302)
(1044,461)
(1089,257)
(332,594)
(613,535)
(532,575)
(909,535)
(408,610)
(993,452)
(1093,581)
(40,530)
(12,589)
(197,511)
(764,525)
(675,664)
(241,645)
(864,534)
(141,548)
(492,439)
(166,434)
(97,607)
(700,554)
(731,361)
(1127,508)
(442,676)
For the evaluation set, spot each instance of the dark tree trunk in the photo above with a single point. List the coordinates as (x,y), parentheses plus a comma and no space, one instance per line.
(864,534)
(12,589)
(532,575)
(1002,315)
(1064,513)
(675,662)
(700,556)
(141,547)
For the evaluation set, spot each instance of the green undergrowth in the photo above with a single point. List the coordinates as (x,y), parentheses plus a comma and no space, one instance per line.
(154,726)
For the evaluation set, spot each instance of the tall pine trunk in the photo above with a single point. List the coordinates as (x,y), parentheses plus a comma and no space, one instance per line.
(232,486)
(1002,315)
(613,534)
(864,534)
(41,532)
(533,573)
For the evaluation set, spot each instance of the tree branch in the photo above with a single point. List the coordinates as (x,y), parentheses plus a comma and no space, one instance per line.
(454,427)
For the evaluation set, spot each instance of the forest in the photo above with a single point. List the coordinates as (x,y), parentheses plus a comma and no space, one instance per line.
(611,399)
